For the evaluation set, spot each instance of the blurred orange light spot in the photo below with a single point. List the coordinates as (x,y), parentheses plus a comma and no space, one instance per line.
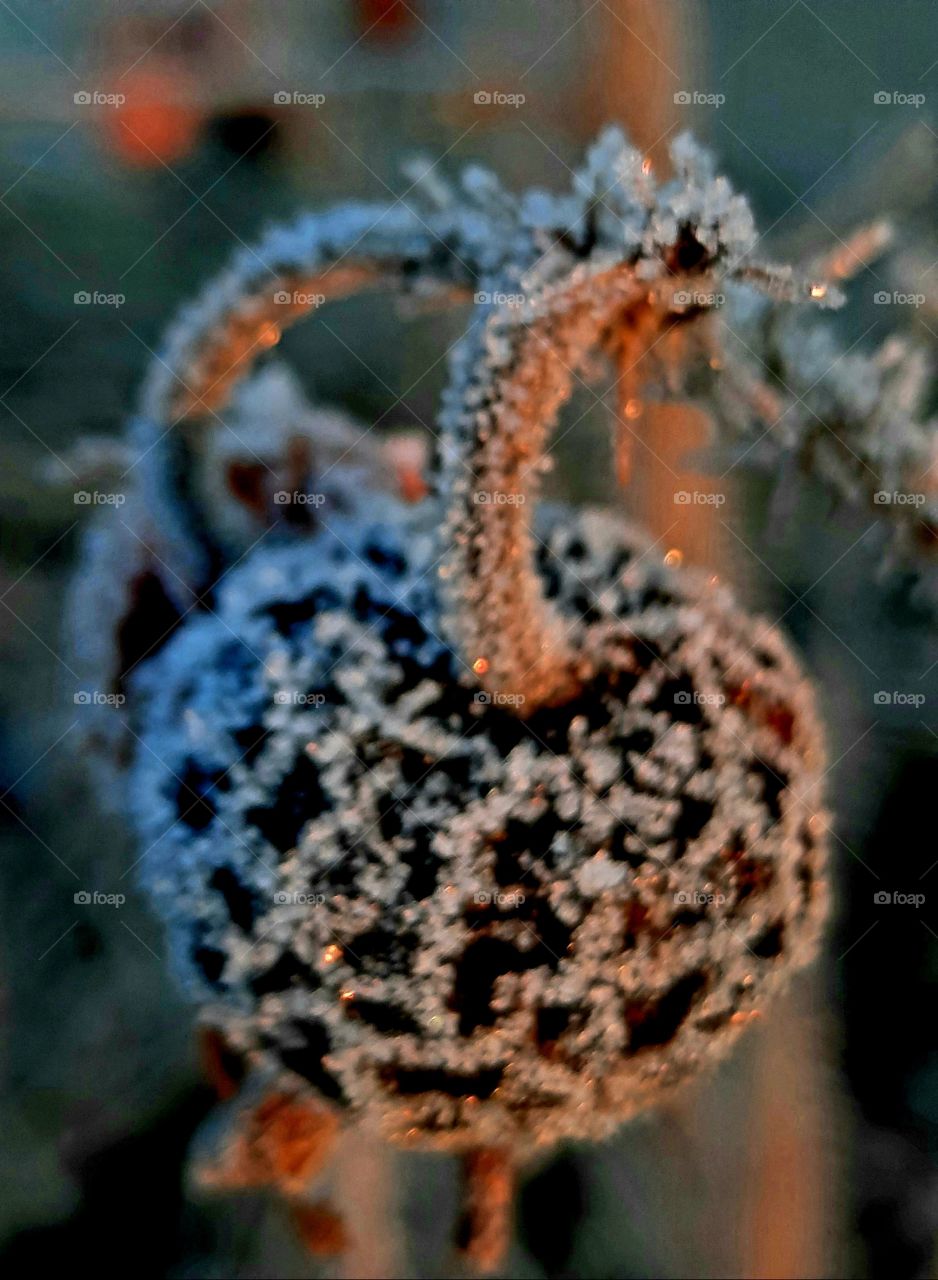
(156,124)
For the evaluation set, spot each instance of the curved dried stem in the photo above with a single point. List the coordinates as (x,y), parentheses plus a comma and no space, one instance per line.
(509,631)
(225,354)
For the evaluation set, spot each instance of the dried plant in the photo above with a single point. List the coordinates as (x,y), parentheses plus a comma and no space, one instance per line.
(489,866)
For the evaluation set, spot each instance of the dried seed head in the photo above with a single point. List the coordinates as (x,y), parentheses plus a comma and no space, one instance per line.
(476,927)
(490,916)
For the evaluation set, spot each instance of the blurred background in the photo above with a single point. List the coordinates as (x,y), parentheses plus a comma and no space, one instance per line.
(143,142)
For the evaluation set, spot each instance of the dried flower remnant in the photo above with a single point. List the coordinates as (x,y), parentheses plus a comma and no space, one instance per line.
(482,869)
(524,928)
